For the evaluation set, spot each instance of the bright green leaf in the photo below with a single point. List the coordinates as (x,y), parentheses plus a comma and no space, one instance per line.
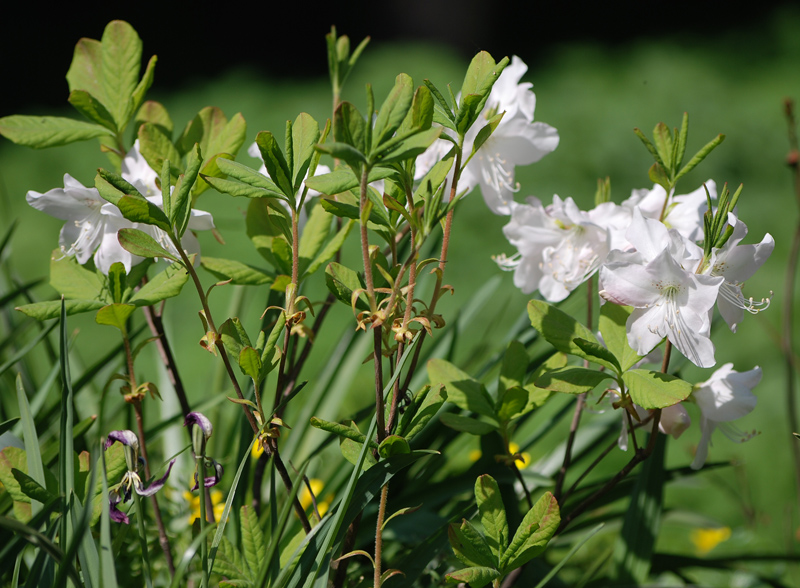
(41,132)
(493,514)
(559,328)
(469,545)
(462,390)
(651,389)
(141,244)
(533,534)
(466,424)
(163,285)
(115,315)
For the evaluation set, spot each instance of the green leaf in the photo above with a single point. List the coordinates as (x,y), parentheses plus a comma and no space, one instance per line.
(329,250)
(73,280)
(420,115)
(276,164)
(239,273)
(462,390)
(342,282)
(486,131)
(86,70)
(393,110)
(469,545)
(163,285)
(348,432)
(512,403)
(515,365)
(49,310)
(315,233)
(155,113)
(252,539)
(466,424)
(533,534)
(598,354)
(493,514)
(345,152)
(421,411)
(305,134)
(662,137)
(475,577)
(658,175)
(144,84)
(481,76)
(250,362)
(121,57)
(613,319)
(393,445)
(351,451)
(343,179)
(116,283)
(559,328)
(230,563)
(141,244)
(180,201)
(155,147)
(234,336)
(143,211)
(113,187)
(571,380)
(115,315)
(251,177)
(41,132)
(92,109)
(651,389)
(31,488)
(349,129)
(700,156)
(410,147)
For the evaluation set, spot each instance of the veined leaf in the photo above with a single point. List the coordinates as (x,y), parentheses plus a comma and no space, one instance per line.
(252,539)
(343,179)
(86,70)
(571,380)
(239,273)
(92,109)
(141,244)
(475,577)
(613,319)
(52,309)
(121,51)
(651,389)
(470,546)
(115,315)
(41,132)
(462,390)
(163,285)
(493,514)
(531,538)
(559,328)
(73,280)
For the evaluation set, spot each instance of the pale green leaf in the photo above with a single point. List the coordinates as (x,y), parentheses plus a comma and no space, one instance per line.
(163,285)
(41,132)
(493,514)
(462,390)
(121,56)
(466,424)
(239,273)
(115,315)
(533,534)
(71,279)
(571,380)
(469,545)
(651,389)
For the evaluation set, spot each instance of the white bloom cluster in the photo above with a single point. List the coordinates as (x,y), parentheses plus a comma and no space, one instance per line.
(92,223)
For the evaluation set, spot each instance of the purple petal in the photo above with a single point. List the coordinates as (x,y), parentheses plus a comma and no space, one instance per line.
(199,419)
(116,515)
(126,437)
(210,480)
(156,485)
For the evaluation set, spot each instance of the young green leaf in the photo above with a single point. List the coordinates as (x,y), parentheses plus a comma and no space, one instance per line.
(493,514)
(73,280)
(276,164)
(115,315)
(598,354)
(92,109)
(512,403)
(462,390)
(559,328)
(393,110)
(613,319)
(305,134)
(163,285)
(393,445)
(141,244)
(571,380)
(476,577)
(238,273)
(651,389)
(470,546)
(86,70)
(121,51)
(533,534)
(41,132)
(515,365)
(466,424)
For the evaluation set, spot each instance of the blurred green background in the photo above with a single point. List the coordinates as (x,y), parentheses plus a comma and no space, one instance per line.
(732,82)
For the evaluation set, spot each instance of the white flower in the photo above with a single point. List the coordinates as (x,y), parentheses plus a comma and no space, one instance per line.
(669,299)
(81,207)
(559,247)
(517,140)
(136,171)
(724,397)
(737,263)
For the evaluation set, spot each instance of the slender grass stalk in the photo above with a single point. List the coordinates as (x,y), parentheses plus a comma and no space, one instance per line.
(146,569)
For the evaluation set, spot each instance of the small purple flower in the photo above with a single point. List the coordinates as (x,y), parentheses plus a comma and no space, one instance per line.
(212,480)
(199,419)
(130,480)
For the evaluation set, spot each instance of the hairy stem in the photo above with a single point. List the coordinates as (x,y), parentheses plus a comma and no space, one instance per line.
(379,536)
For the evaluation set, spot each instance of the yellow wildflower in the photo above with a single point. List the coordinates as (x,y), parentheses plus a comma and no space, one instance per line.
(256,449)
(316,487)
(194,504)
(525,458)
(707,539)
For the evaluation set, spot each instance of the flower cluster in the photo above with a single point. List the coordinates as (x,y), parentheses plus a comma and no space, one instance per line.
(92,223)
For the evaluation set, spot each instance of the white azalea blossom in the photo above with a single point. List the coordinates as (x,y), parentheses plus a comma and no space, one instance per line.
(81,207)
(669,299)
(724,397)
(736,264)
(517,140)
(93,223)
(558,247)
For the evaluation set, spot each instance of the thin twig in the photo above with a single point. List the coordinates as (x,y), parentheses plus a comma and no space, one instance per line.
(165,351)
(573,428)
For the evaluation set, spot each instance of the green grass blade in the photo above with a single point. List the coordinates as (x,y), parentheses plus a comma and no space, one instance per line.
(569,555)
(66,465)
(32,451)
(108,574)
(22,352)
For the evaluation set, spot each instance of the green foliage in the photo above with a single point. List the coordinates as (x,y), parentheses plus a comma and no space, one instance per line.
(489,556)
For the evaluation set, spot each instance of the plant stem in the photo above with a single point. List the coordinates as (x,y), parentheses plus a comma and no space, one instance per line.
(787,319)
(163,540)
(365,240)
(143,540)
(379,536)
(201,473)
